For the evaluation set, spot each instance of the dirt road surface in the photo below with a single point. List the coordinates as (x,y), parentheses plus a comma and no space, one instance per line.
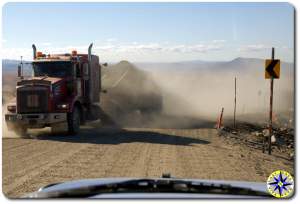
(31,163)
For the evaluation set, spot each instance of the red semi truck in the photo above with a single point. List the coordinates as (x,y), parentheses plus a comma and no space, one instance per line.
(63,93)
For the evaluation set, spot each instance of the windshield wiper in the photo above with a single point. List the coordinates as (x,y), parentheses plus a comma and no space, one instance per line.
(153,186)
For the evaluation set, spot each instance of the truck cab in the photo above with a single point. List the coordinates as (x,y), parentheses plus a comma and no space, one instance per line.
(62,93)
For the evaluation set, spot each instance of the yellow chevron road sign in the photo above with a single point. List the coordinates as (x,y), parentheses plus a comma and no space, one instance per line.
(272,69)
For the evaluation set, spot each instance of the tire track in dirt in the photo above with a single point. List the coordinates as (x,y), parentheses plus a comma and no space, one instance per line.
(153,162)
(76,166)
(82,164)
(17,178)
(24,156)
(125,164)
(11,145)
(27,148)
(141,161)
(168,158)
(199,160)
(163,158)
(208,162)
(93,161)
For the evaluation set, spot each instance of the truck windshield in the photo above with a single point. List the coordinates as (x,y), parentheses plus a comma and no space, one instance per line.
(52,69)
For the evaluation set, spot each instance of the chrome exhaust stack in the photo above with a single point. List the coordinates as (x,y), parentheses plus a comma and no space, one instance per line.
(90,52)
(34,51)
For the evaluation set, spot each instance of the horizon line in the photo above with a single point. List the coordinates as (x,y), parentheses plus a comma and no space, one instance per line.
(170,62)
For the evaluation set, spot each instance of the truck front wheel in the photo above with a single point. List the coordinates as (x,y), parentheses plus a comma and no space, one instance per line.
(74,121)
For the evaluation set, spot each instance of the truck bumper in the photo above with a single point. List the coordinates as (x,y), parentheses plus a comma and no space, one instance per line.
(36,120)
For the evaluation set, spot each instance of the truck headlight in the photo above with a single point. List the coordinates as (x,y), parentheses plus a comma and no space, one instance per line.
(63,106)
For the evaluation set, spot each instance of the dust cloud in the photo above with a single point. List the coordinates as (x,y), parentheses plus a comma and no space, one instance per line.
(5,132)
(136,98)
(201,93)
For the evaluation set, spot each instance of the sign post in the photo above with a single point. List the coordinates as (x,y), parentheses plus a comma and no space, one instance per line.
(272,71)
(234,122)
(271,110)
(220,121)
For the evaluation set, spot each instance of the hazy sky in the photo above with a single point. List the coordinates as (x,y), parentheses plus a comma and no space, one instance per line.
(155,32)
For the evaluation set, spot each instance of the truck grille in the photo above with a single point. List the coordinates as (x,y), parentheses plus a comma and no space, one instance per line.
(32,100)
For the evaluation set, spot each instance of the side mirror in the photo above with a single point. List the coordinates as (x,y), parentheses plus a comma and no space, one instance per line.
(105,64)
(19,71)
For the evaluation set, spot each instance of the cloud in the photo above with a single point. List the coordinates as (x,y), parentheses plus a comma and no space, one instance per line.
(157,47)
(16,53)
(219,41)
(198,48)
(253,48)
(117,48)
(287,48)
(111,39)
(105,48)
(148,47)
(46,44)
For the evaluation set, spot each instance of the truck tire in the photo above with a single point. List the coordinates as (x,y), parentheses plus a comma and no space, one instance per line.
(82,116)
(74,121)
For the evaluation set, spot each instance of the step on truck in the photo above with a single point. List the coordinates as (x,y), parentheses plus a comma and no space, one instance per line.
(62,93)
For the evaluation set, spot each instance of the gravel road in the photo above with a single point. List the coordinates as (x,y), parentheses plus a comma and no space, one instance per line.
(185,153)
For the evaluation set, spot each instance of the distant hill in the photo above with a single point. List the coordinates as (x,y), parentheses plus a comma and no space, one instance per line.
(238,64)
(11,67)
(11,64)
